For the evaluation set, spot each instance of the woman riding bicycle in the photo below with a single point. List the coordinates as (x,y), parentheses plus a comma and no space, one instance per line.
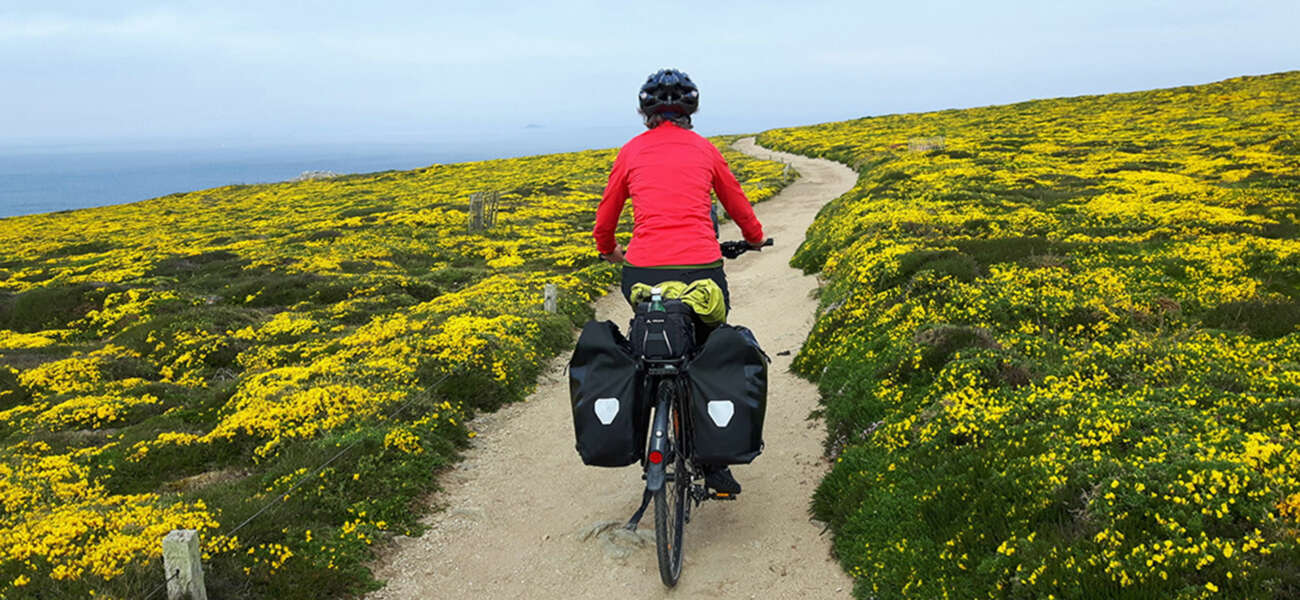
(668,172)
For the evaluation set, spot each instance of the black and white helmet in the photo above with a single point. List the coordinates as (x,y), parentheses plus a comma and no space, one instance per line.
(669,91)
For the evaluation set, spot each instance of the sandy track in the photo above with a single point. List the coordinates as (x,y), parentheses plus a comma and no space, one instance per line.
(519,511)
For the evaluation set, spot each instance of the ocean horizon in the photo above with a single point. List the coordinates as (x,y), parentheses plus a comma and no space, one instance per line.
(36,180)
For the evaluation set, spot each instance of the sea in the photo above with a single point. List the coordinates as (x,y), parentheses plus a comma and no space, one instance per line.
(39,179)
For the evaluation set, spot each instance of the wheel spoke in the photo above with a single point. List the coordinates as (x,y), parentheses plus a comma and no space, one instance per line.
(671,500)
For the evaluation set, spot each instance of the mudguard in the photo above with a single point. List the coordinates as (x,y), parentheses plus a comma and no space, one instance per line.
(654,474)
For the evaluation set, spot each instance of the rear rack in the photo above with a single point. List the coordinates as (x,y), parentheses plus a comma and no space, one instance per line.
(662,366)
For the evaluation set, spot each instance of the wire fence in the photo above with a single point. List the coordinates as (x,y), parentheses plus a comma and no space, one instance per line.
(175,573)
(308,476)
(281,497)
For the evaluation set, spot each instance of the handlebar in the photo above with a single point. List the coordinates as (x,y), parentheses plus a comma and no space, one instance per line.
(734,248)
(738,247)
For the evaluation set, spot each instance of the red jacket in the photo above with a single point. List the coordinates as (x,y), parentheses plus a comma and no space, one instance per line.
(668,172)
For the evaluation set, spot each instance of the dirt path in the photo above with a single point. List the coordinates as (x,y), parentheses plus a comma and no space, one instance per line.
(524,518)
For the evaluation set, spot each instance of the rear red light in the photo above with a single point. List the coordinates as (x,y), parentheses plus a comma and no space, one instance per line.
(656,457)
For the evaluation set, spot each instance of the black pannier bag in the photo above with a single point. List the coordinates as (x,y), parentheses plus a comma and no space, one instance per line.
(728,397)
(669,333)
(603,379)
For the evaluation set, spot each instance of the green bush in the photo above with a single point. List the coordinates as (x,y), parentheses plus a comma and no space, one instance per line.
(1266,319)
(1063,364)
(51,307)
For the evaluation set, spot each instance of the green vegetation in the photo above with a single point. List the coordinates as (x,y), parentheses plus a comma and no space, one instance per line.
(1060,352)
(186,361)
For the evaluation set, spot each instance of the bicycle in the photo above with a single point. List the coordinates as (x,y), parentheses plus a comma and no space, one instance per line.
(673,479)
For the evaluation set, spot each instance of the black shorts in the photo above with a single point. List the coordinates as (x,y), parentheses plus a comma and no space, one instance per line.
(634,275)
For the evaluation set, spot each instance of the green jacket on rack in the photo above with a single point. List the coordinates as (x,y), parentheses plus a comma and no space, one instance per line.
(702,295)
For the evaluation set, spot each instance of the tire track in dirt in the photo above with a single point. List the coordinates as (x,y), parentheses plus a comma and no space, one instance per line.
(520,516)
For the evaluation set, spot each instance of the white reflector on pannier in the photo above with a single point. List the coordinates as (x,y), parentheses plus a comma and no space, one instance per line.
(721,412)
(606,410)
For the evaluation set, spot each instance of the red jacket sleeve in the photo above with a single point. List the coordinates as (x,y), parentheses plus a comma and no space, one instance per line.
(611,206)
(734,201)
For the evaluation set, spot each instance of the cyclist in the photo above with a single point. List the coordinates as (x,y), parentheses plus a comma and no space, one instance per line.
(668,171)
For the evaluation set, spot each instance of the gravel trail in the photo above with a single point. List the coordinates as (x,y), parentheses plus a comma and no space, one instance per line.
(522,517)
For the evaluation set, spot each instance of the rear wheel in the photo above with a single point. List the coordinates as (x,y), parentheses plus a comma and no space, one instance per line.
(671,502)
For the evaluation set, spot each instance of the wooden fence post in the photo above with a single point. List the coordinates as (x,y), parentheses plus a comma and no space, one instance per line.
(926,144)
(475,211)
(183,565)
(483,210)
(551,298)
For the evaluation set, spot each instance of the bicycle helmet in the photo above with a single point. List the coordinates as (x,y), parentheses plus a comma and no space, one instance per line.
(669,91)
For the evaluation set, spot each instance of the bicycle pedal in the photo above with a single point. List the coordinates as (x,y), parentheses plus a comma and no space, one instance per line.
(722,496)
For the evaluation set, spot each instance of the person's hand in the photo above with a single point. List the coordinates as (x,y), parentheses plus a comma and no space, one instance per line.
(616,256)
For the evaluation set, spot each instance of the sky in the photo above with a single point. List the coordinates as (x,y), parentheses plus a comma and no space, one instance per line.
(134,74)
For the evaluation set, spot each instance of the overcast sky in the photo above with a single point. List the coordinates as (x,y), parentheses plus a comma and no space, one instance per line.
(398,71)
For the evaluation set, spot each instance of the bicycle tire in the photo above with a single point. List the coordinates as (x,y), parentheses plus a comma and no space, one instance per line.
(670,502)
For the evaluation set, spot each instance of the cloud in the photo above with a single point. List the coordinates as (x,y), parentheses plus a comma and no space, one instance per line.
(140,66)
(279,36)
(38,27)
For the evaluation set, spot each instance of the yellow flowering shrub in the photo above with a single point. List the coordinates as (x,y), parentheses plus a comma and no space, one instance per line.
(92,412)
(185,361)
(1059,346)
(12,340)
(58,520)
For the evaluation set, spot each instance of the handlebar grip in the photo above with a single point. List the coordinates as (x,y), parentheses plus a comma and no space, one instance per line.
(736,248)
